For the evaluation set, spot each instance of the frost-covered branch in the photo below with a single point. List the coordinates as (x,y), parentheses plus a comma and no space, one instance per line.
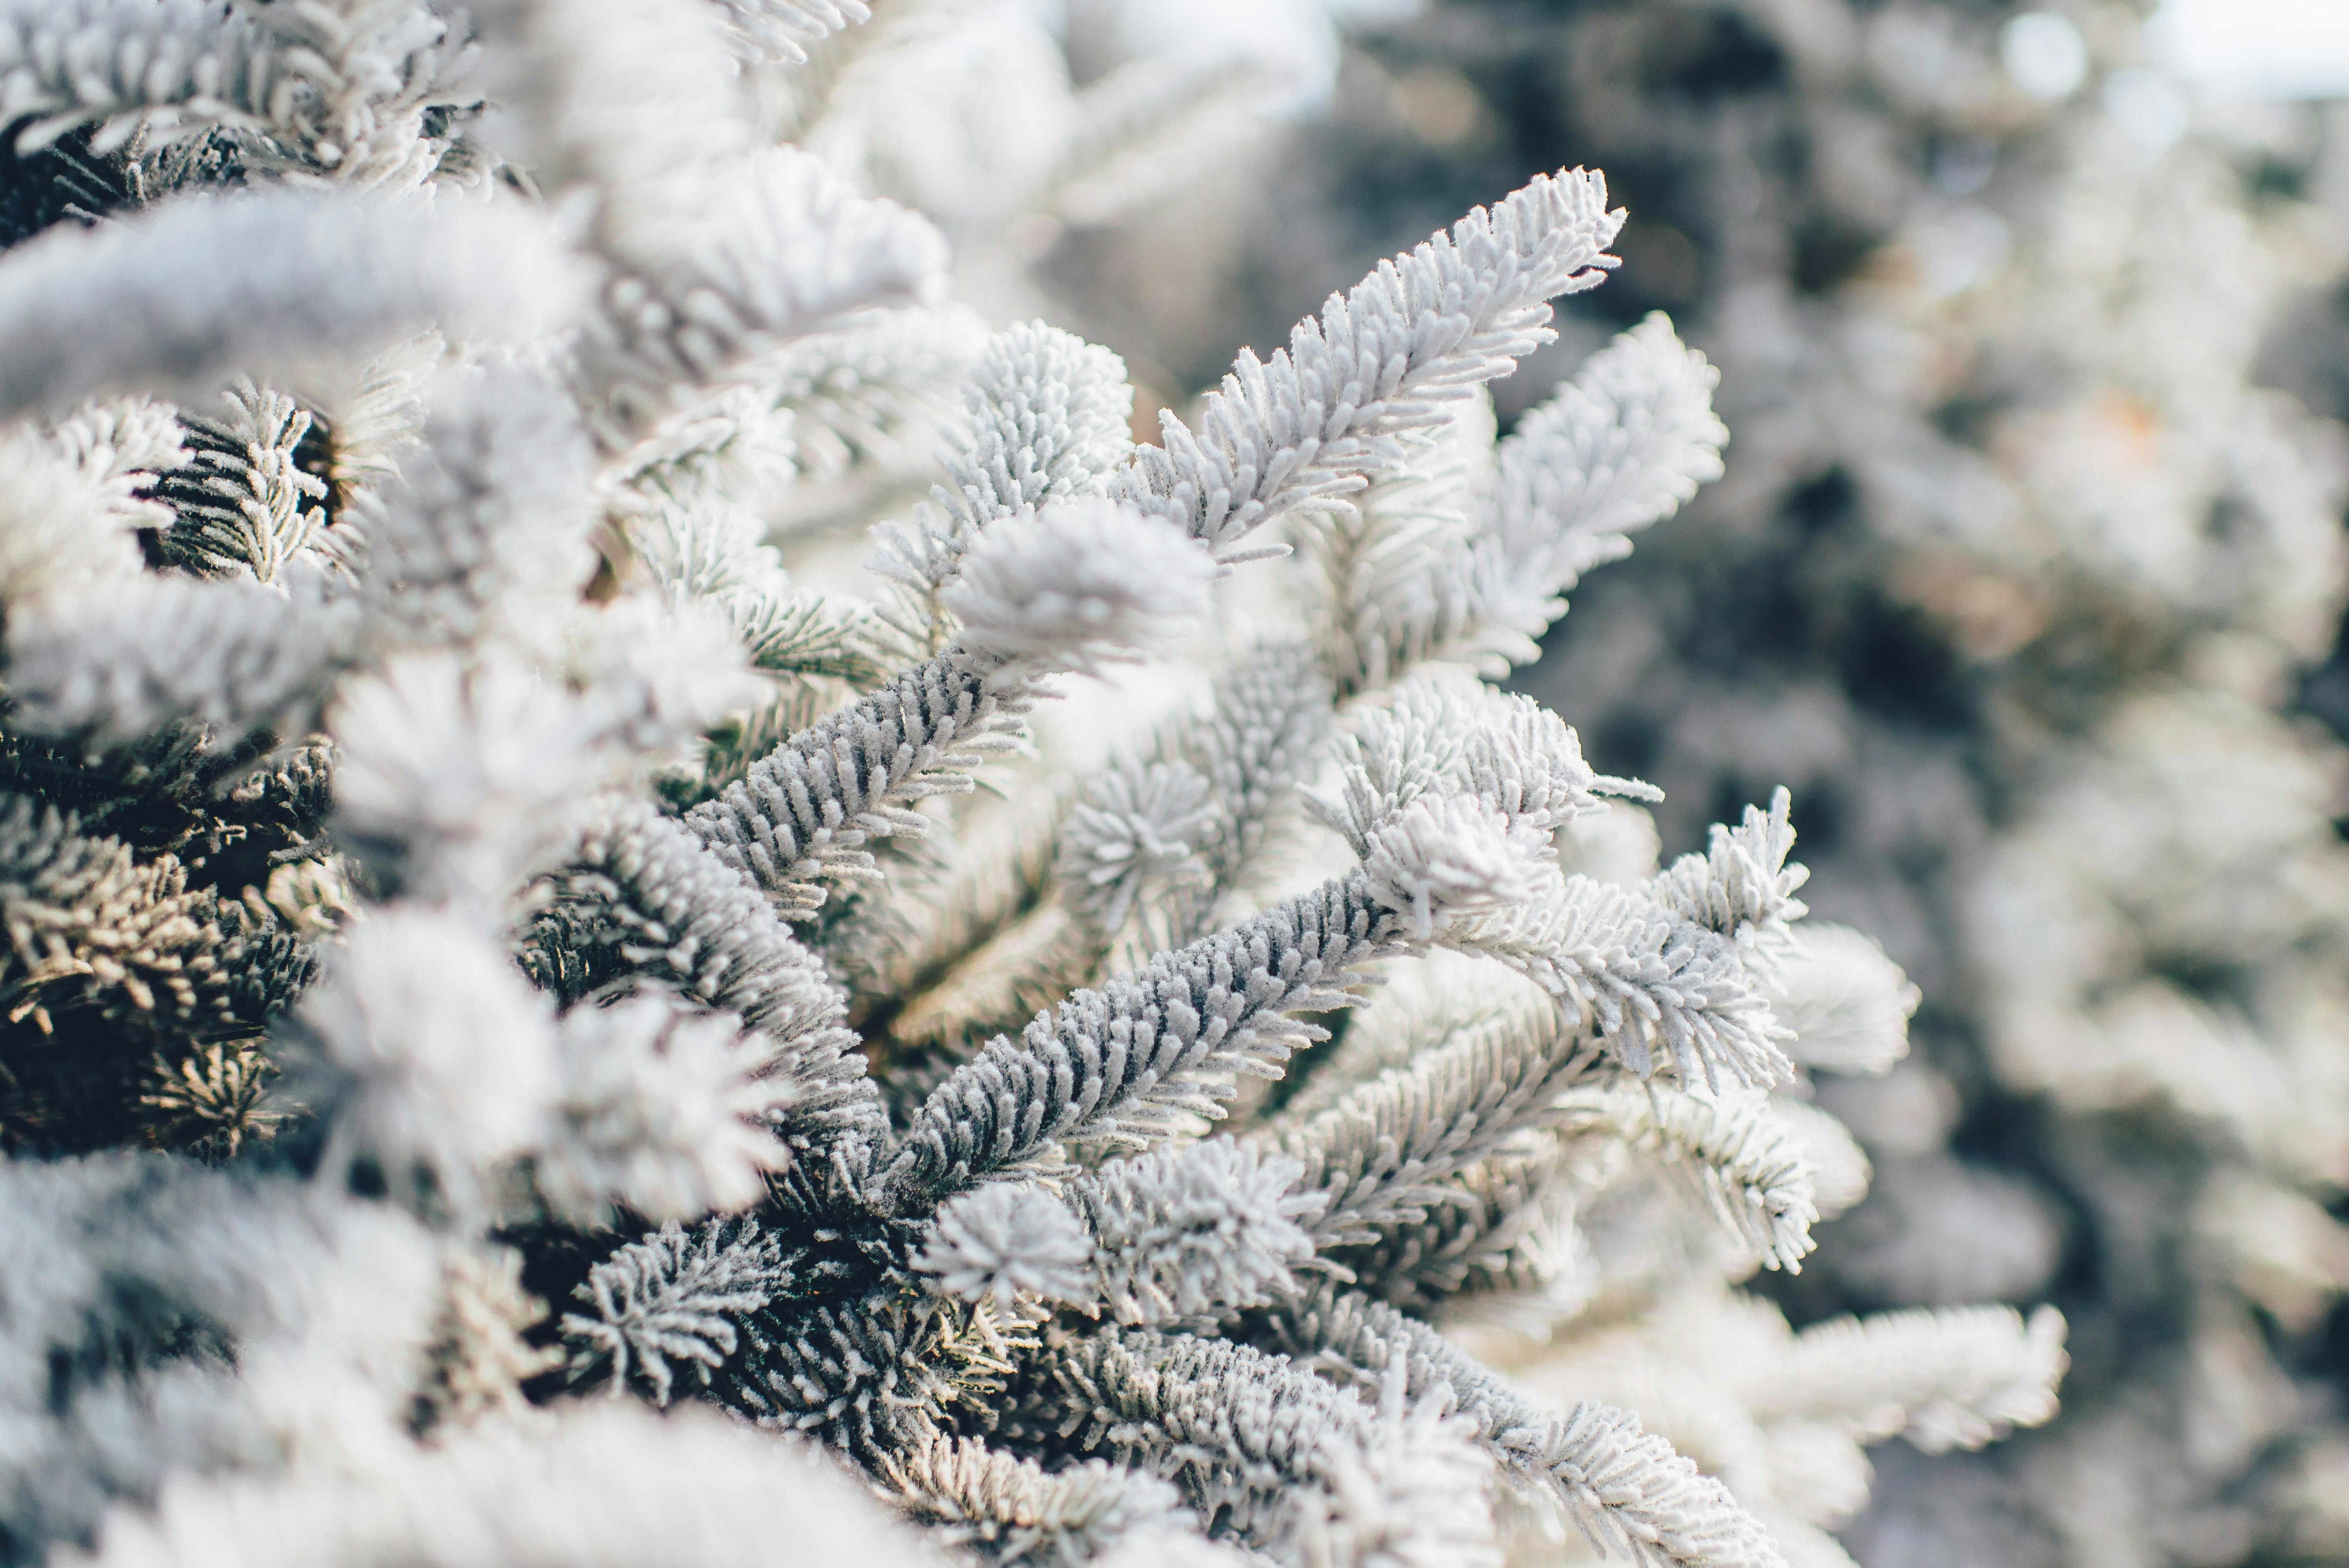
(673,1298)
(1732,1149)
(1278,1453)
(1074,586)
(1628,1490)
(1958,1378)
(1382,1153)
(205,288)
(638,889)
(1378,363)
(696,299)
(1015,1510)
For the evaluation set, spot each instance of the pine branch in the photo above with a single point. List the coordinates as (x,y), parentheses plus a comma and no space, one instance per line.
(1278,1454)
(1113,1065)
(203,288)
(1180,1233)
(641,888)
(1622,446)
(1956,1377)
(75,495)
(806,810)
(1847,1003)
(872,1375)
(874,397)
(1176,828)
(715,552)
(336,89)
(674,1297)
(1308,426)
(236,657)
(1742,887)
(1647,983)
(88,926)
(1016,1511)
(385,1048)
(698,298)
(487,528)
(1001,1242)
(1384,1153)
(1630,1493)
(248,509)
(1734,1150)
(1046,416)
(669,1114)
(1078,585)
(1501,1227)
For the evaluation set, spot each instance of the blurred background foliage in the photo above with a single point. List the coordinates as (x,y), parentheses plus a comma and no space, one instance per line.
(2027,578)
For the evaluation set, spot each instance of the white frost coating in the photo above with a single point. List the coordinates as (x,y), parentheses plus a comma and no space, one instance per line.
(1847,1003)
(450,777)
(1644,979)
(1740,1158)
(1958,1378)
(439,1057)
(1444,856)
(762,249)
(674,1297)
(234,656)
(1076,586)
(177,299)
(781,30)
(1423,330)
(1207,1228)
(661,673)
(664,1112)
(1136,828)
(1047,415)
(1002,1242)
(1741,885)
(67,517)
(1620,446)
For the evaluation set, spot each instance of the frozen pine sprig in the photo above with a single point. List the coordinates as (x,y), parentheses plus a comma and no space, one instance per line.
(1075,586)
(254,508)
(1445,853)
(437,1059)
(1014,1511)
(1003,1240)
(1654,986)
(1045,419)
(1621,447)
(279,275)
(1311,425)
(672,1115)
(1048,417)
(1459,557)
(1281,1454)
(1213,1227)
(1134,833)
(673,1297)
(1847,1003)
(1751,1172)
(452,784)
(1741,885)
(234,656)
(696,299)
